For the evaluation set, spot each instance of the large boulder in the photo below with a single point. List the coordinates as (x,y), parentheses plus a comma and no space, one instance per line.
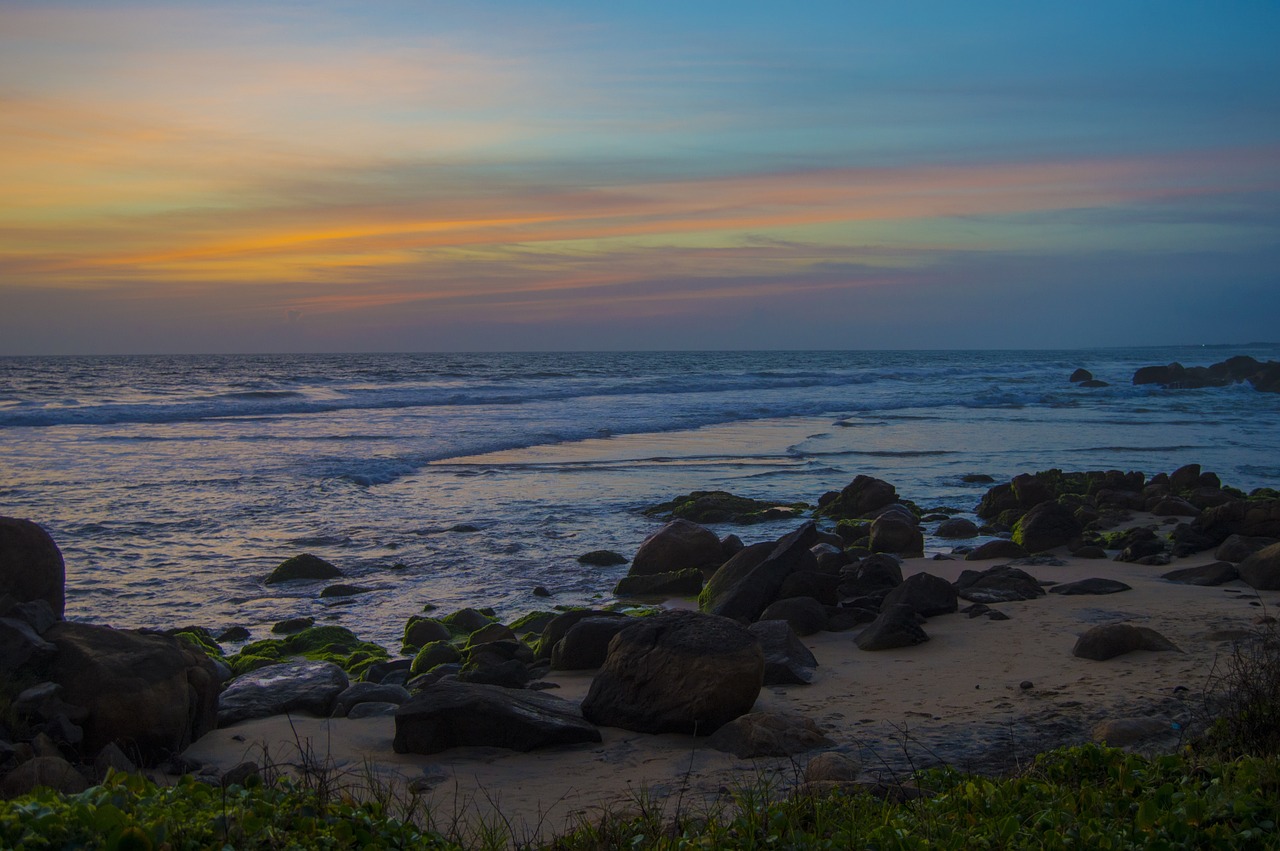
(586,644)
(1253,518)
(786,659)
(452,714)
(1046,526)
(874,574)
(1262,569)
(151,694)
(20,644)
(957,527)
(805,614)
(677,672)
(558,627)
(1111,640)
(894,533)
(895,627)
(50,772)
(745,585)
(926,594)
(1237,548)
(677,546)
(308,687)
(860,498)
(31,566)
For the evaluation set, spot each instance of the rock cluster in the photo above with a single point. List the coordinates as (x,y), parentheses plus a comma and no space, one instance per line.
(1242,368)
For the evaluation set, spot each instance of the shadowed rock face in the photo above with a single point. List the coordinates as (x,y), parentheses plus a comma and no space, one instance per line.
(1112,640)
(454,714)
(1262,569)
(310,687)
(31,566)
(677,672)
(679,545)
(745,585)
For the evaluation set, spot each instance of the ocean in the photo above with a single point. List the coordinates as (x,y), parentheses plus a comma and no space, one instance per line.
(174,484)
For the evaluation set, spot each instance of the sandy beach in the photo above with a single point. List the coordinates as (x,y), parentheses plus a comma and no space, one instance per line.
(981,694)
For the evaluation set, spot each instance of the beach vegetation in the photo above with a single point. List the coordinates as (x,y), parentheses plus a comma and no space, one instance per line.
(1242,700)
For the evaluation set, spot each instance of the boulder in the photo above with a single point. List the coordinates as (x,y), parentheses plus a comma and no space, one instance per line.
(957,527)
(679,545)
(873,574)
(51,772)
(1173,506)
(559,626)
(767,734)
(432,654)
(358,693)
(1031,490)
(1093,585)
(860,498)
(1093,383)
(679,583)
(1001,584)
(602,558)
(1185,477)
(786,659)
(31,566)
(805,615)
(677,672)
(746,584)
(893,533)
(895,627)
(466,621)
(1254,518)
(1216,573)
(1111,640)
(453,714)
(821,586)
(998,548)
(1262,569)
(307,687)
(586,644)
(421,631)
(926,594)
(1046,526)
(20,645)
(1081,374)
(151,694)
(1237,548)
(303,566)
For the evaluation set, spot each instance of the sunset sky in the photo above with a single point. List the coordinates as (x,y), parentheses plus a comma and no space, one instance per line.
(319,176)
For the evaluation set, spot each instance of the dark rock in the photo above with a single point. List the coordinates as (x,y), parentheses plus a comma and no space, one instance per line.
(541,591)
(1262,569)
(996,549)
(358,693)
(560,625)
(893,533)
(421,631)
(20,645)
(303,566)
(1090,552)
(44,701)
(373,709)
(977,479)
(805,615)
(1094,383)
(833,767)
(722,507)
(51,772)
(859,498)
(380,671)
(957,527)
(343,590)
(1122,732)
(747,583)
(1173,506)
(1047,525)
(677,672)
(1217,573)
(823,587)
(1001,584)
(679,545)
(873,574)
(680,583)
(1185,477)
(111,758)
(293,625)
(34,613)
(507,673)
(1030,490)
(434,653)
(1110,640)
(489,634)
(895,627)
(927,595)
(151,694)
(602,558)
(1093,585)
(31,566)
(308,687)
(466,621)
(1237,548)
(1080,375)
(996,615)
(233,634)
(786,659)
(454,714)
(768,734)
(586,644)
(730,546)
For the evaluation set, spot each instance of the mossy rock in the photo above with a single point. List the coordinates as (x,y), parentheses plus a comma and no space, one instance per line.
(293,625)
(490,633)
(318,643)
(532,622)
(201,640)
(435,653)
(724,507)
(303,566)
(420,631)
(467,621)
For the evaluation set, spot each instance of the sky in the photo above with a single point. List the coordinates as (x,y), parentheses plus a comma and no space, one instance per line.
(418,176)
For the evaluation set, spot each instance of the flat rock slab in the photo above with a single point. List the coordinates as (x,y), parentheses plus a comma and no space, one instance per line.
(452,714)
(310,687)
(1112,640)
(1217,573)
(1093,585)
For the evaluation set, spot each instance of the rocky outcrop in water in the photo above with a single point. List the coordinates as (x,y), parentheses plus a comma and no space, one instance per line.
(1242,368)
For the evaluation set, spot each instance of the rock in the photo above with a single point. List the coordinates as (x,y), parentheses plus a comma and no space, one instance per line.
(895,627)
(1094,383)
(679,545)
(44,701)
(1173,506)
(20,645)
(453,714)
(541,591)
(1122,732)
(875,573)
(358,693)
(786,659)
(1217,573)
(233,634)
(805,615)
(1237,548)
(892,533)
(466,621)
(679,583)
(303,566)
(1001,584)
(1185,477)
(926,594)
(1262,569)
(765,734)
(677,672)
(434,653)
(1253,518)
(821,586)
(1093,585)
(722,507)
(1110,640)
(421,631)
(344,590)
(52,772)
(291,626)
(602,558)
(832,766)
(957,527)
(860,498)
(977,479)
(151,694)
(373,709)
(308,687)
(1081,375)
(111,758)
(490,633)
(746,584)
(559,626)
(1091,552)
(996,549)
(34,613)
(1046,526)
(586,644)
(1031,490)
(31,566)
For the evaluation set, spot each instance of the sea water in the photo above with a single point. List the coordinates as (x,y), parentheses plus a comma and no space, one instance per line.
(174,484)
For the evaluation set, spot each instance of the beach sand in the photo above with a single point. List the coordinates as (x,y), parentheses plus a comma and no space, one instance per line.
(959,698)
